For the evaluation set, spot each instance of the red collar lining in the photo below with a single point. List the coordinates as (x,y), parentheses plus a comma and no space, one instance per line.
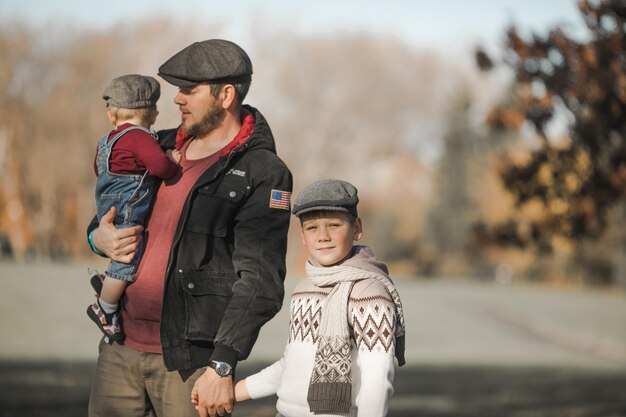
(247,127)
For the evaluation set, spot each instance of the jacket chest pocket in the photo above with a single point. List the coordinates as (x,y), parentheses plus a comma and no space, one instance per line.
(207,295)
(215,206)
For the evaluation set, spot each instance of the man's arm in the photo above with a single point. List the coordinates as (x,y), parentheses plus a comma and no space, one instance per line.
(117,244)
(259,260)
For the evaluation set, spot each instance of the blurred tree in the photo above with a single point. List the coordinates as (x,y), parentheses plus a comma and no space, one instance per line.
(365,123)
(581,83)
(14,215)
(51,80)
(377,121)
(454,211)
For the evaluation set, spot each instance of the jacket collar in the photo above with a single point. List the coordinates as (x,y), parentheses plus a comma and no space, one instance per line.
(254,133)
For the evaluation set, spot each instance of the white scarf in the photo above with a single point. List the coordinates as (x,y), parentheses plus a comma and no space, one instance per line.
(330,387)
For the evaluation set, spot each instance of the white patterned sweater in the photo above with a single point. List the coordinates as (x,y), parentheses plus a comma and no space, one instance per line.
(372,318)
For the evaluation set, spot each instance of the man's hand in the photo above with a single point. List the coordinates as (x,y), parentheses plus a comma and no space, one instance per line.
(119,245)
(213,394)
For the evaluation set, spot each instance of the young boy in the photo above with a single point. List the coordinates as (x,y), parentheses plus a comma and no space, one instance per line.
(346,319)
(127,162)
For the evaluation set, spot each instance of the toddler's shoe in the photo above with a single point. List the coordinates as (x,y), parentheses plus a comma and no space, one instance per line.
(109,324)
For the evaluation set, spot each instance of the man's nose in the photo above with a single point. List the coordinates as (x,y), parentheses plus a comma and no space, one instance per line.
(179,98)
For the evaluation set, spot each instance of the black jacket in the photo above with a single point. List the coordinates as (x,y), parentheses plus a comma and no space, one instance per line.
(226,267)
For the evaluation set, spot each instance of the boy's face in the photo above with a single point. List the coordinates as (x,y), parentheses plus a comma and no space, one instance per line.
(328,236)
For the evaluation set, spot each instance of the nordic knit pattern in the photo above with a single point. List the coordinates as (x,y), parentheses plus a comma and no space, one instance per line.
(371,317)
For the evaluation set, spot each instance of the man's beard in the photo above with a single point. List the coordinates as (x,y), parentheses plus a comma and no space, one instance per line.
(210,121)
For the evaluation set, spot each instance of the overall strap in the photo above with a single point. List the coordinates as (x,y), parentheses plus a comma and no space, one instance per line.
(125,131)
(104,147)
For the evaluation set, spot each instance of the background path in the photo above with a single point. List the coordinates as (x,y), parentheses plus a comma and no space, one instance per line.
(473,349)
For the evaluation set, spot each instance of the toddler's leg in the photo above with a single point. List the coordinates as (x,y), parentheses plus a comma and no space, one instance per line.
(105,311)
(112,290)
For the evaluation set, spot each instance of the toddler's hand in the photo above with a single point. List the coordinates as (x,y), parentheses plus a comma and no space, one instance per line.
(174,155)
(194,396)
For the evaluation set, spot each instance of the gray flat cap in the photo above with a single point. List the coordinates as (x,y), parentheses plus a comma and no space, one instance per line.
(333,195)
(132,92)
(213,61)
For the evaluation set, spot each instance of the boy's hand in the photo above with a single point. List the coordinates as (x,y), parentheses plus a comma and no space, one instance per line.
(119,245)
(174,155)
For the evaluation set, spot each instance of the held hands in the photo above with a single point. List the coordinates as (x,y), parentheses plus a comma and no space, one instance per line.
(119,245)
(213,395)
(241,392)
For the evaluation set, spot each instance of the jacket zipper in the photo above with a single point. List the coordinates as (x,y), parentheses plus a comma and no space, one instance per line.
(186,214)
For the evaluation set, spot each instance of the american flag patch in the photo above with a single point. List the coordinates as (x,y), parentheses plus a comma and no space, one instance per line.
(280,199)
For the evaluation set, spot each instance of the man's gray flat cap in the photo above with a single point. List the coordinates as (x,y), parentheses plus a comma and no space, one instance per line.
(214,61)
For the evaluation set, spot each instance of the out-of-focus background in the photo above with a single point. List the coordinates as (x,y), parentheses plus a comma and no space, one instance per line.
(486,140)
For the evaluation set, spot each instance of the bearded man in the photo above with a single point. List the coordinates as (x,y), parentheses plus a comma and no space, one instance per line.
(214,263)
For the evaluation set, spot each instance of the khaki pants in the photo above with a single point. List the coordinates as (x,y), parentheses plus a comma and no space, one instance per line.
(129,383)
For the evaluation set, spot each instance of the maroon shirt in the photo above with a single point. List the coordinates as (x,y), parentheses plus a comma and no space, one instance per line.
(142,314)
(136,152)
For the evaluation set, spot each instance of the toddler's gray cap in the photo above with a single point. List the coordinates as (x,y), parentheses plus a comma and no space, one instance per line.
(334,195)
(132,92)
(214,61)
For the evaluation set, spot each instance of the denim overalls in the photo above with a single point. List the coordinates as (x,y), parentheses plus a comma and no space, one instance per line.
(131,194)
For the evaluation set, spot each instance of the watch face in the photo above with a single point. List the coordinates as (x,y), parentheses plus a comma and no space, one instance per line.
(222,368)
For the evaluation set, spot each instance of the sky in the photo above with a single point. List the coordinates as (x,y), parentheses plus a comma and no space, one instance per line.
(439,24)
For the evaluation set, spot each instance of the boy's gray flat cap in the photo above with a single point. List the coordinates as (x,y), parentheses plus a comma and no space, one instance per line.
(213,61)
(132,92)
(333,195)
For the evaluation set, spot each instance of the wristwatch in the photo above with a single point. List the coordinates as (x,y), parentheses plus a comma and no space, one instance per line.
(221,368)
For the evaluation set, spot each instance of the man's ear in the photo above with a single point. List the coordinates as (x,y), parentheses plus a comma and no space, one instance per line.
(228,96)
(358,229)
